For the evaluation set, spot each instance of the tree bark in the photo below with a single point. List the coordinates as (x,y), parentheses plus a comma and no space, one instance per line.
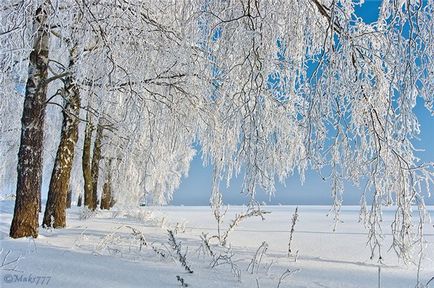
(69,199)
(86,161)
(106,196)
(27,201)
(112,201)
(55,210)
(95,164)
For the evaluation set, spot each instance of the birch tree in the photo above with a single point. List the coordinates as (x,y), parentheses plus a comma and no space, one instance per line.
(55,209)
(27,203)
(309,85)
(270,88)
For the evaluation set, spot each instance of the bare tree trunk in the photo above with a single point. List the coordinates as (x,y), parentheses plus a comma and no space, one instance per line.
(27,201)
(69,199)
(79,200)
(55,210)
(106,196)
(95,164)
(86,162)
(112,201)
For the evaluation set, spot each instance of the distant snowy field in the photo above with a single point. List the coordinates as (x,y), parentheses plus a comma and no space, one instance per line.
(101,251)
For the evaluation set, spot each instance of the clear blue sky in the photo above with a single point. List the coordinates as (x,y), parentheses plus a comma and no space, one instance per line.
(196,188)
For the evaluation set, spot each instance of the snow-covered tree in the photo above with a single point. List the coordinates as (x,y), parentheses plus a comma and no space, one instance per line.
(310,85)
(27,203)
(269,88)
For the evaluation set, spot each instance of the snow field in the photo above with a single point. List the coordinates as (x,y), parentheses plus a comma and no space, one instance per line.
(105,250)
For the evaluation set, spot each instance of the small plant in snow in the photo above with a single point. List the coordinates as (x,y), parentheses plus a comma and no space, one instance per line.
(256,260)
(82,237)
(180,227)
(7,263)
(226,259)
(219,212)
(291,233)
(268,267)
(160,252)
(86,213)
(285,275)
(110,242)
(143,243)
(138,236)
(252,211)
(163,223)
(176,246)
(182,281)
(205,246)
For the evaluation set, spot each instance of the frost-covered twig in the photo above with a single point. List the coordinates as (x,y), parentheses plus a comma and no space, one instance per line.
(182,281)
(252,211)
(205,246)
(293,221)
(268,267)
(285,275)
(179,227)
(177,248)
(143,243)
(226,259)
(106,241)
(427,283)
(256,260)
(219,212)
(139,236)
(8,264)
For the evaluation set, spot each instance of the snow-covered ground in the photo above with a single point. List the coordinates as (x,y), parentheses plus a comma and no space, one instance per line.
(101,251)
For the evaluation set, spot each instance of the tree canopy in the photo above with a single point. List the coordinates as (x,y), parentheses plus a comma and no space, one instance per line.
(264,87)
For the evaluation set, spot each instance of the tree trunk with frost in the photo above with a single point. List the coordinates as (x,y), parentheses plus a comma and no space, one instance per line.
(55,210)
(86,161)
(106,196)
(112,201)
(69,199)
(96,157)
(27,201)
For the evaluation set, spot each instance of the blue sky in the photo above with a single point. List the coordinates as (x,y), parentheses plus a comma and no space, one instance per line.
(196,188)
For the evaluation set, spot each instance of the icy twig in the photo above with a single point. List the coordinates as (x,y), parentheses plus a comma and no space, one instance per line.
(182,281)
(293,221)
(252,211)
(205,246)
(8,264)
(285,275)
(256,260)
(226,259)
(177,248)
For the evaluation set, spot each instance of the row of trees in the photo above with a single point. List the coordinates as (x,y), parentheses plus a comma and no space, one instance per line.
(265,87)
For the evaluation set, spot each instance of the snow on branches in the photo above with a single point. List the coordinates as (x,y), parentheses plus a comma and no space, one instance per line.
(268,88)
